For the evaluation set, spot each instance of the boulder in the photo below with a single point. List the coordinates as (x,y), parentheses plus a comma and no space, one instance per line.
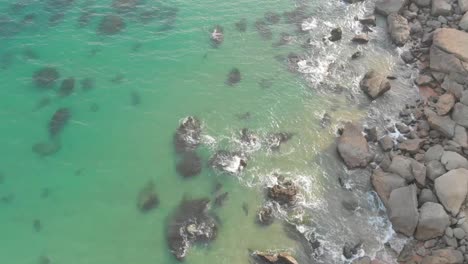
(147,198)
(336,34)
(463,24)
(401,165)
(188,135)
(284,192)
(360,38)
(449,51)
(422,3)
(464,97)
(427,195)
(275,258)
(386,7)
(443,124)
(463,5)
(452,160)
(353,148)
(368,20)
(434,169)
(412,146)
(398,28)
(441,8)
(460,114)
(445,103)
(434,153)
(433,220)
(403,210)
(451,189)
(461,136)
(444,256)
(419,172)
(459,233)
(374,84)
(386,143)
(362,260)
(451,86)
(384,183)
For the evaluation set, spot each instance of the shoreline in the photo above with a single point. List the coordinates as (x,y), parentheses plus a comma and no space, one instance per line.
(419,163)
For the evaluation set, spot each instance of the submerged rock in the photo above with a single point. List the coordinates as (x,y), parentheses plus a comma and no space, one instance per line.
(147,198)
(46,148)
(135,98)
(58,121)
(188,135)
(374,84)
(189,224)
(46,77)
(275,140)
(67,87)
(190,165)
(111,25)
(234,77)
(241,25)
(217,35)
(272,17)
(220,199)
(265,215)
(226,161)
(124,5)
(263,30)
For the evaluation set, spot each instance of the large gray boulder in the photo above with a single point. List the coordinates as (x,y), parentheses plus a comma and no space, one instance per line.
(422,3)
(401,165)
(461,136)
(403,210)
(419,172)
(425,196)
(443,124)
(433,220)
(386,7)
(434,169)
(374,84)
(460,114)
(441,8)
(449,51)
(444,256)
(434,153)
(463,24)
(451,189)
(451,86)
(398,28)
(384,183)
(463,5)
(353,148)
(452,160)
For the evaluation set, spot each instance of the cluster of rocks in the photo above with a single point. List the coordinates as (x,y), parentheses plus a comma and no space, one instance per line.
(420,166)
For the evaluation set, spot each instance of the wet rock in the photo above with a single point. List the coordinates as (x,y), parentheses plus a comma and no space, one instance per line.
(403,212)
(230,162)
(443,124)
(248,137)
(427,195)
(147,198)
(45,77)
(460,114)
(360,39)
(351,249)
(444,256)
(402,166)
(374,84)
(272,17)
(433,220)
(435,169)
(398,28)
(371,134)
(263,30)
(386,7)
(325,121)
(284,192)
(336,34)
(67,87)
(275,140)
(189,224)
(407,57)
(452,160)
(125,5)
(111,25)
(452,188)
(188,135)
(412,146)
(386,143)
(234,77)
(368,21)
(217,35)
(46,148)
(241,25)
(275,258)
(265,215)
(384,183)
(190,165)
(58,121)
(356,55)
(441,8)
(353,148)
(445,104)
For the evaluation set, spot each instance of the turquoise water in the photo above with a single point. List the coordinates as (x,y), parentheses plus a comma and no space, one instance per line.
(79,205)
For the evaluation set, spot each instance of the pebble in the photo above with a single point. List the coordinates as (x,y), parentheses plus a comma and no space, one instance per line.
(449,232)
(461,221)
(442,20)
(459,233)
(451,242)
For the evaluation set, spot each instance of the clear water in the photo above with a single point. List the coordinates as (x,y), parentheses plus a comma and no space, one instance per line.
(84,196)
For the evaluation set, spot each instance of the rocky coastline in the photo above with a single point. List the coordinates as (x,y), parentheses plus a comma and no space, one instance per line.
(419,164)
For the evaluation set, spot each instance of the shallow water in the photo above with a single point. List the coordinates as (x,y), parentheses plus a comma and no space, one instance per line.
(119,137)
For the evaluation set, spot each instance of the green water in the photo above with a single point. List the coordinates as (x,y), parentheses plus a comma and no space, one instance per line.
(107,156)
